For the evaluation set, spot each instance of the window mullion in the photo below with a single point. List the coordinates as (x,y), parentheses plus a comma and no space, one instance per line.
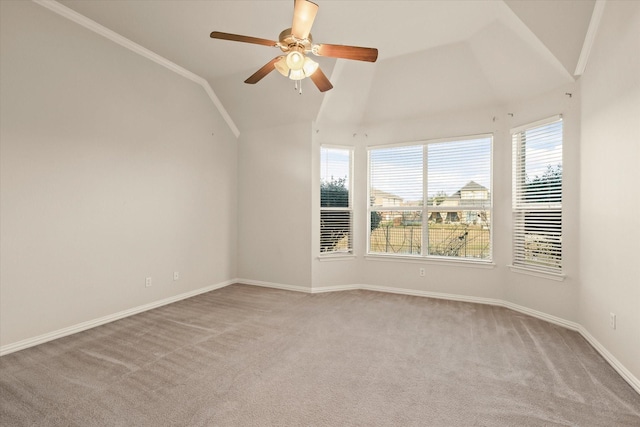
(425,197)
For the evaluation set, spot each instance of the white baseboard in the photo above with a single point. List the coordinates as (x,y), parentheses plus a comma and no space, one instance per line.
(615,363)
(262,284)
(453,297)
(541,315)
(320,290)
(41,339)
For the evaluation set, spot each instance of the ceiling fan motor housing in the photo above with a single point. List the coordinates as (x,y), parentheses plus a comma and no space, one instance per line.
(288,42)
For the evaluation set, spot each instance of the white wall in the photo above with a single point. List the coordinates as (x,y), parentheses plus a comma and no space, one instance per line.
(610,179)
(113,169)
(274,206)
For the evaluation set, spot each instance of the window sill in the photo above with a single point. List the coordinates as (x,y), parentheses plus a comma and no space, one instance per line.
(558,277)
(336,257)
(464,262)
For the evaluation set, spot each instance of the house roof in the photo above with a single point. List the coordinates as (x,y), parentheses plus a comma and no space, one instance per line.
(473,186)
(470,186)
(457,55)
(380,193)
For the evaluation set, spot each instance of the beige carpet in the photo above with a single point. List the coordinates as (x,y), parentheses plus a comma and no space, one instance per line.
(245,356)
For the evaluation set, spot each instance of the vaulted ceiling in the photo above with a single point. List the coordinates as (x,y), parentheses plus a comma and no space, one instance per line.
(434,56)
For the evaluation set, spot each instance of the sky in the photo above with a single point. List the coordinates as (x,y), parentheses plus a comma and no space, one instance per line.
(334,164)
(544,148)
(450,166)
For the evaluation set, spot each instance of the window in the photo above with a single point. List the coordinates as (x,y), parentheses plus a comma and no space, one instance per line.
(454,177)
(537,196)
(335,200)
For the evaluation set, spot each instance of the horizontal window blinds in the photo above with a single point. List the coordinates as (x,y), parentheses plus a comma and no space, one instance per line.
(459,173)
(537,196)
(395,176)
(432,199)
(459,198)
(335,200)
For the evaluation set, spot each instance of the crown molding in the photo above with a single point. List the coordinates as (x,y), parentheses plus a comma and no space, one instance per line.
(590,37)
(82,20)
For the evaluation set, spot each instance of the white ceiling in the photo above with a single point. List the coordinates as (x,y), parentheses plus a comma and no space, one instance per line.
(434,56)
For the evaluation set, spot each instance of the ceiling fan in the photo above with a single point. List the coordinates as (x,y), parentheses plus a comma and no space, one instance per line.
(296,42)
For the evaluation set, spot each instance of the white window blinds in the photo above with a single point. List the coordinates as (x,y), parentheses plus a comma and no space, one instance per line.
(453,177)
(459,198)
(335,200)
(396,195)
(537,196)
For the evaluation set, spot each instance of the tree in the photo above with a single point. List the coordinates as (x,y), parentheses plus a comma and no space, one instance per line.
(546,188)
(334,193)
(334,224)
(376,218)
(544,227)
(438,198)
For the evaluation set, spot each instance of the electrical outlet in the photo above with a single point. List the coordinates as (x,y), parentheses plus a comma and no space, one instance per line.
(147,282)
(612,320)
(176,275)
(422,272)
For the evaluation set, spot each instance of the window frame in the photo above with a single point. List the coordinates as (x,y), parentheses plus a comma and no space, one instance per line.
(520,207)
(343,253)
(427,209)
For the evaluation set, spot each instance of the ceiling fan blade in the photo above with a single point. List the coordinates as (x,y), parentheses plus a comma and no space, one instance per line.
(321,81)
(368,54)
(304,12)
(244,39)
(262,72)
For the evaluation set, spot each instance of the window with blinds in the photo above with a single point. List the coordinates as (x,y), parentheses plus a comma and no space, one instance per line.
(432,199)
(335,200)
(537,196)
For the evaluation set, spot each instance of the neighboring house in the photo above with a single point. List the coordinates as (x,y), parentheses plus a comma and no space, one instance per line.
(471,195)
(382,198)
(473,192)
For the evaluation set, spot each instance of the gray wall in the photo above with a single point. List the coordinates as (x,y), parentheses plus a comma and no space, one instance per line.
(113,169)
(274,206)
(610,179)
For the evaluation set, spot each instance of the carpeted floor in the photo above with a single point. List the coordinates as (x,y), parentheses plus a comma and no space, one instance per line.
(249,356)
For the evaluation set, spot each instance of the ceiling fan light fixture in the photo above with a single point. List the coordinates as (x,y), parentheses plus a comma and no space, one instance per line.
(295,60)
(309,67)
(296,74)
(281,66)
